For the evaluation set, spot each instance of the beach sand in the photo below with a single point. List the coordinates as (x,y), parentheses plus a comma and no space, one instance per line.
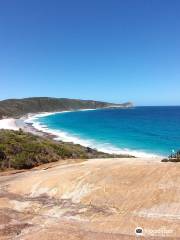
(16,124)
(9,123)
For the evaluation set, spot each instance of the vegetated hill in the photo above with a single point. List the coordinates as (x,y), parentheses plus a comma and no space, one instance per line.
(19,107)
(22,150)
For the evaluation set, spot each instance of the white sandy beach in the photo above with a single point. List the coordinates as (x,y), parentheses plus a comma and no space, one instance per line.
(9,123)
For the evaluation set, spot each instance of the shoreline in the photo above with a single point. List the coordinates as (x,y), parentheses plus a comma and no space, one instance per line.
(27,123)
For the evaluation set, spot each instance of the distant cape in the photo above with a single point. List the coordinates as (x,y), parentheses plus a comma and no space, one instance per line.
(20,107)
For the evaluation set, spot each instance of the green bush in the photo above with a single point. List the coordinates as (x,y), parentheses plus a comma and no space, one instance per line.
(24,150)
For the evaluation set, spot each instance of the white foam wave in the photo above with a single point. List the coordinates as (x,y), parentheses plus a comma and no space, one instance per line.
(31,117)
(66,137)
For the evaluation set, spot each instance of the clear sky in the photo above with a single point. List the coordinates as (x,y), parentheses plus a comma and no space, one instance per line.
(112,50)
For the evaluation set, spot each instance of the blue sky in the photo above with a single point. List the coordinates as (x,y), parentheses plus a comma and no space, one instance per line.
(111,50)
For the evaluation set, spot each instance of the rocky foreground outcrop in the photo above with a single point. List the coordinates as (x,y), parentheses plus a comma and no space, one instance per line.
(97,199)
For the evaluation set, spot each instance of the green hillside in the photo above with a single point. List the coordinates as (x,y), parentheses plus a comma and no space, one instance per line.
(21,150)
(19,107)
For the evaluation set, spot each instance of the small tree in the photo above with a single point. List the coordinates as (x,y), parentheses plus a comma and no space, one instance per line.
(2,158)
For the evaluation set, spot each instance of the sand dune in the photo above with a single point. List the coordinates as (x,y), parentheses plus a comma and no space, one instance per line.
(95,199)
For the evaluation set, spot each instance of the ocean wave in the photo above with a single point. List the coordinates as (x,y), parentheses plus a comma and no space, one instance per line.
(31,117)
(67,137)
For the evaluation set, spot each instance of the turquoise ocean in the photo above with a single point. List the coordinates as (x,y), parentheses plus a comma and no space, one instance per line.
(141,131)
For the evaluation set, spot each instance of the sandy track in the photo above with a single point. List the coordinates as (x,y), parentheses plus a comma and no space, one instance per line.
(96,199)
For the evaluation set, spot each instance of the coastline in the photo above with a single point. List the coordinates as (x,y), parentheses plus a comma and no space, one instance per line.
(28,124)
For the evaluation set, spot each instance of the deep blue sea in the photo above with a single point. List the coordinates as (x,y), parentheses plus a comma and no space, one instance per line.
(138,131)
